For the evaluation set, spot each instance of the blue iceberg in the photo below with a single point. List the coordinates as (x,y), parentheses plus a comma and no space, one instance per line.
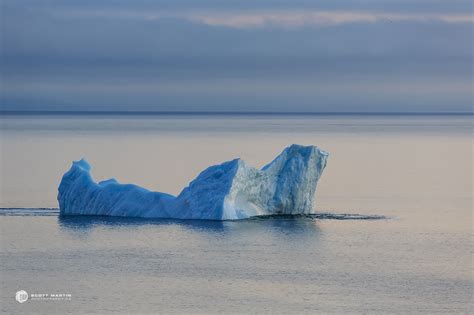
(229,191)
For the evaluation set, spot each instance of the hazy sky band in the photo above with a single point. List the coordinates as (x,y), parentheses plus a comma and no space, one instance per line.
(261,55)
(270,18)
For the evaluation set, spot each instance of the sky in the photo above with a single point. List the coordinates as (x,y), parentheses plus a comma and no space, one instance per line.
(247,55)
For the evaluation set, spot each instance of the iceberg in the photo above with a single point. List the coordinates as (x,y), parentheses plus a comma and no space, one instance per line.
(228,191)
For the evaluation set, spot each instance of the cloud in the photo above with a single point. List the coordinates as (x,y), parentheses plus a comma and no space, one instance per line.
(269,18)
(246,94)
(318,18)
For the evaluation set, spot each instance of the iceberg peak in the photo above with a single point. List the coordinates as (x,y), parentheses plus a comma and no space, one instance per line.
(83,164)
(228,191)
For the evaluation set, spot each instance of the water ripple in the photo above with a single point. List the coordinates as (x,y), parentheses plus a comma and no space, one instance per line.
(317,216)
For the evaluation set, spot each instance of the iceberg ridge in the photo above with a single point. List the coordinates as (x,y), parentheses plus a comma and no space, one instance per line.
(228,191)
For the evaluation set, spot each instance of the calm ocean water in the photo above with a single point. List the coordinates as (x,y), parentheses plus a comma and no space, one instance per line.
(395,235)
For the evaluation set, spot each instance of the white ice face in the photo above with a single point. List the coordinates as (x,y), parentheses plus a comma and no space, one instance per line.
(229,191)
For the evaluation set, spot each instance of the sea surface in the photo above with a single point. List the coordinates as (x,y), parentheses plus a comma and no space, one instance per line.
(393,233)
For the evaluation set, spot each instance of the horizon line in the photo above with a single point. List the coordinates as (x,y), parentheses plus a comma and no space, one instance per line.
(224,113)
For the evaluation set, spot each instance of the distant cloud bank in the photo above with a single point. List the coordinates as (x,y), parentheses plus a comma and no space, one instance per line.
(287,19)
